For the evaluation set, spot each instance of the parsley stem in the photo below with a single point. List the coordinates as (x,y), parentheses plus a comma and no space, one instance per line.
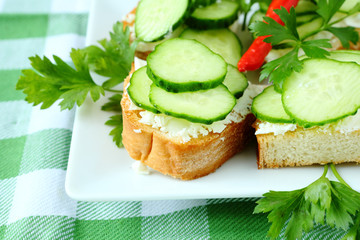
(337,175)
(112,90)
(326,168)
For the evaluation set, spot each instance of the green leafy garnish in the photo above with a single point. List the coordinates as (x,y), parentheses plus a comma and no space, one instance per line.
(278,70)
(49,82)
(113,105)
(116,121)
(106,62)
(322,202)
(59,81)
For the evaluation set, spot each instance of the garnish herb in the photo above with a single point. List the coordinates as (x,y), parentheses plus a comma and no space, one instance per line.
(49,82)
(323,201)
(116,120)
(278,70)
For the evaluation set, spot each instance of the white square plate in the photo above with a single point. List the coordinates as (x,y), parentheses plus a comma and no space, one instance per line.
(99,171)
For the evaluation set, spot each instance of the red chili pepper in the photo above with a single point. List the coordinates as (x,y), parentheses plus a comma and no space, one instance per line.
(254,57)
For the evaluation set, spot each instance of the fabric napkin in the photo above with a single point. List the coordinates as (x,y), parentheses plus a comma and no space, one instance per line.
(34,149)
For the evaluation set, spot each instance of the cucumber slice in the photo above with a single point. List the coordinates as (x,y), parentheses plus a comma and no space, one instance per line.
(263,6)
(218,15)
(305,7)
(180,65)
(204,106)
(267,106)
(235,81)
(139,90)
(308,29)
(300,20)
(202,3)
(221,41)
(323,91)
(349,5)
(156,18)
(345,56)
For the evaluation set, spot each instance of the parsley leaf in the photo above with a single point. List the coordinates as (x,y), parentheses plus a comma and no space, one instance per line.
(345,35)
(115,58)
(113,104)
(327,8)
(276,32)
(58,80)
(314,48)
(354,232)
(323,201)
(116,121)
(279,69)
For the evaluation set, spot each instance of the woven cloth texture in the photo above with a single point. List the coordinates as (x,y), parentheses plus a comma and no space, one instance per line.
(34,150)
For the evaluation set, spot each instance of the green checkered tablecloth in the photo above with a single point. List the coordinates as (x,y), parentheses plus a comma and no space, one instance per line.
(34,149)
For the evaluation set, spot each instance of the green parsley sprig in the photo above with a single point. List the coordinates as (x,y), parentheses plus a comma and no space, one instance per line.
(278,70)
(48,82)
(116,120)
(323,201)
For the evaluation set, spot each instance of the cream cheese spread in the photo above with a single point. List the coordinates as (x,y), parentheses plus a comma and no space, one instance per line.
(345,125)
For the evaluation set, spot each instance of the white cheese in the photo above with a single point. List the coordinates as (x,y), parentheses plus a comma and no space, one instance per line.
(345,125)
(140,168)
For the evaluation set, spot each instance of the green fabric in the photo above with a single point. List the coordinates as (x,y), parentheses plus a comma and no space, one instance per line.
(33,160)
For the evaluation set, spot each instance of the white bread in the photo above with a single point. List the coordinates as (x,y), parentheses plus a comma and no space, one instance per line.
(184,160)
(303,147)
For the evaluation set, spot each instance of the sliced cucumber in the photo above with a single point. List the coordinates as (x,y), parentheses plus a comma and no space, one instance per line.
(267,106)
(346,56)
(300,20)
(221,41)
(218,15)
(235,81)
(204,106)
(305,7)
(323,91)
(156,18)
(202,3)
(349,5)
(139,90)
(180,65)
(308,29)
(263,6)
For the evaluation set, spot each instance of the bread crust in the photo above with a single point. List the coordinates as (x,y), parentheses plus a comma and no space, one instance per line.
(304,147)
(171,156)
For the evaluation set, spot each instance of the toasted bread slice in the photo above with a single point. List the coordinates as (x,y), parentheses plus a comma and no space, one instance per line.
(310,146)
(172,156)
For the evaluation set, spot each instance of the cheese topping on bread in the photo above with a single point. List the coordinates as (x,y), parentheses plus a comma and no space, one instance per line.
(176,127)
(345,125)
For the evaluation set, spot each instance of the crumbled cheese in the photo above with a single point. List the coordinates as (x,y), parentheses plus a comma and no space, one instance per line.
(140,168)
(275,128)
(345,125)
